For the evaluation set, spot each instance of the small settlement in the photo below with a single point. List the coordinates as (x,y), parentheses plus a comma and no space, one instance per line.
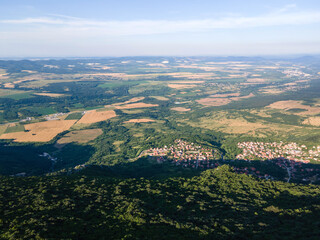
(290,151)
(184,154)
(291,158)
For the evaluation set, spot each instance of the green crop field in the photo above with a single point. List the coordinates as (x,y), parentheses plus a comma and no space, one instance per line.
(17,128)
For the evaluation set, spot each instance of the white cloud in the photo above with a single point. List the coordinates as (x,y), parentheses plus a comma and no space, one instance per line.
(60,35)
(143,27)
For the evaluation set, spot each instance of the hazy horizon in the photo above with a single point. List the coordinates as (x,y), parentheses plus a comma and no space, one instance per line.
(59,29)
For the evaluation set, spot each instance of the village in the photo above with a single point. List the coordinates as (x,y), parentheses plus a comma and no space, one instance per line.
(290,151)
(291,158)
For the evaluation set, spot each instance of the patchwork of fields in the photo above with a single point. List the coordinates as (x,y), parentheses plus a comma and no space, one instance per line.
(126,106)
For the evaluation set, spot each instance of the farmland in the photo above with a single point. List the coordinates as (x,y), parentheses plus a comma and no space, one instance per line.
(80,136)
(39,132)
(95,116)
(242,133)
(118,108)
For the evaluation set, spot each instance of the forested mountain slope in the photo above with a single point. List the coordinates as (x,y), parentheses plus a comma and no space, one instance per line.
(218,204)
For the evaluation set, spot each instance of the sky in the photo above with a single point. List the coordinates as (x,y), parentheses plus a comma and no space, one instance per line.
(102,28)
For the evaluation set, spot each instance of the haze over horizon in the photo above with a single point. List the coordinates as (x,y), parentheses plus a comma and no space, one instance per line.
(143,28)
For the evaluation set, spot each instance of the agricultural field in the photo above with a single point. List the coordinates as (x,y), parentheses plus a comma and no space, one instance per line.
(96,116)
(80,136)
(118,108)
(39,132)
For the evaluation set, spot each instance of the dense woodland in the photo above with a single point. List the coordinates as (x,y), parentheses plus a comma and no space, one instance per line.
(217,204)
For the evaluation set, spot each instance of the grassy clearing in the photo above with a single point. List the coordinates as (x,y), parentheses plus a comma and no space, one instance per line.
(16,128)
(119,84)
(132,111)
(80,136)
(3,129)
(117,145)
(292,104)
(74,116)
(42,110)
(15,94)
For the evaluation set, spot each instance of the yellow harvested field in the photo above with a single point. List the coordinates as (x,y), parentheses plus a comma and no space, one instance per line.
(95,116)
(160,98)
(3,77)
(290,84)
(314,121)
(80,136)
(243,97)
(28,71)
(132,100)
(8,85)
(270,90)
(136,105)
(141,120)
(291,104)
(226,95)
(213,101)
(50,94)
(235,76)
(181,86)
(40,132)
(181,109)
(135,99)
(186,82)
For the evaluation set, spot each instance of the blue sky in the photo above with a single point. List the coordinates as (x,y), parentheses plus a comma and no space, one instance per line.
(137,27)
